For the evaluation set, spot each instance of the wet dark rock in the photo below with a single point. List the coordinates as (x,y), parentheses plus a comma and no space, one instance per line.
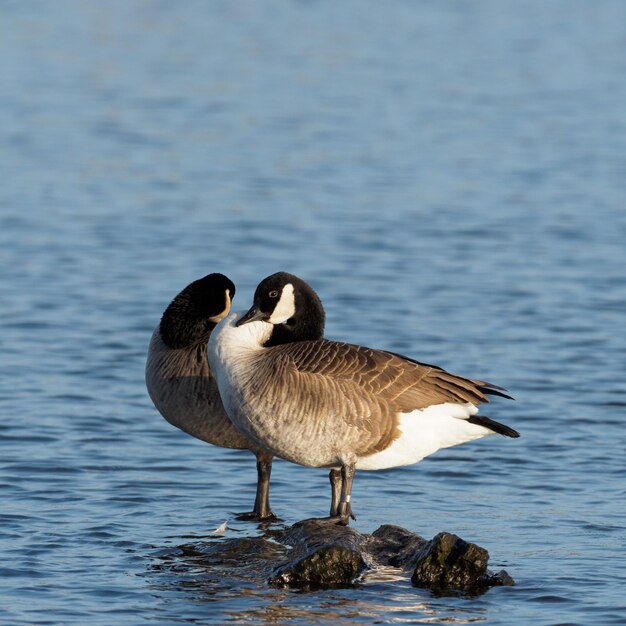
(316,554)
(499,579)
(244,556)
(333,565)
(395,546)
(322,555)
(449,562)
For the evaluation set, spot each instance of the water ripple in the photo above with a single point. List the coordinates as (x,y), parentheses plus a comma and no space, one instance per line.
(449,177)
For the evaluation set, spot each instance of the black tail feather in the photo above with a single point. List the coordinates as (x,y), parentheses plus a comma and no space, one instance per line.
(492,390)
(487,422)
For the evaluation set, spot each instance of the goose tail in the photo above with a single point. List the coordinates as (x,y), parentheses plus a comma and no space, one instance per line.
(496,427)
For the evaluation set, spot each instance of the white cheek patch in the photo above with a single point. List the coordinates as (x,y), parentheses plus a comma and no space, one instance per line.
(286,307)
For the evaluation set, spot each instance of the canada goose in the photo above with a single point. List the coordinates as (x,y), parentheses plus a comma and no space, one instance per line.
(180,382)
(325,403)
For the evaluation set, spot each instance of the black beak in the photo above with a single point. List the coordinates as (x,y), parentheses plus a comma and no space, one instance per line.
(253,315)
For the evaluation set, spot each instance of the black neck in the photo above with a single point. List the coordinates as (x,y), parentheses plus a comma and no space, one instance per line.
(184,333)
(300,327)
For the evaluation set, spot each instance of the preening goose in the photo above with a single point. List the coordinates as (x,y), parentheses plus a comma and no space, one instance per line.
(181,384)
(325,403)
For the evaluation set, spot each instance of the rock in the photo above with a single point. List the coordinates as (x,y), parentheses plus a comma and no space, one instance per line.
(317,554)
(499,579)
(395,546)
(448,562)
(323,555)
(330,566)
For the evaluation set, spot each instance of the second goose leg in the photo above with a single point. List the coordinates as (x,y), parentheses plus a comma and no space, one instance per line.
(336,482)
(262,509)
(344,510)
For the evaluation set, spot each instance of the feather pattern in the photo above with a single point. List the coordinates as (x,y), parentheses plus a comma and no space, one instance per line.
(184,391)
(332,404)
(320,402)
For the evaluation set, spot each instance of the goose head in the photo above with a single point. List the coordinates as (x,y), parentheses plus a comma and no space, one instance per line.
(196,310)
(290,305)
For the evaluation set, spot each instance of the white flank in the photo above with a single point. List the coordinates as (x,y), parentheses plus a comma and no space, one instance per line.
(425,431)
(221,529)
(286,307)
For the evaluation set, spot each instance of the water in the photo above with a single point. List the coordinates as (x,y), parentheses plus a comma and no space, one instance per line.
(451,177)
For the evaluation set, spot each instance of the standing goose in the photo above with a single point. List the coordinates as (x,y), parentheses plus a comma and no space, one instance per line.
(183,389)
(324,403)
(181,384)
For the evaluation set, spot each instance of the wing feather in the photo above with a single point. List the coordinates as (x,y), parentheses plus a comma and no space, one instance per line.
(368,388)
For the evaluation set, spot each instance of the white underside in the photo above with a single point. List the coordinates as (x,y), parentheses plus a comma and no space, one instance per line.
(425,431)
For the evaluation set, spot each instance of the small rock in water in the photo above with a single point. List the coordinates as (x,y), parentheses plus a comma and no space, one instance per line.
(449,562)
(330,565)
(322,555)
(395,546)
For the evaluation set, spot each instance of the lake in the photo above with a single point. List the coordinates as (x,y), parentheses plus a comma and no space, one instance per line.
(449,176)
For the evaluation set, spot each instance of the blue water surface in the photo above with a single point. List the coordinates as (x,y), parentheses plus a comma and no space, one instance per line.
(449,176)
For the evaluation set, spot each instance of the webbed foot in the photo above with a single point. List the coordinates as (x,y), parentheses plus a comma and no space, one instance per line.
(254,516)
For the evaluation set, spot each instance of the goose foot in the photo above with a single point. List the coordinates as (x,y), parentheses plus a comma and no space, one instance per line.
(332,520)
(254,516)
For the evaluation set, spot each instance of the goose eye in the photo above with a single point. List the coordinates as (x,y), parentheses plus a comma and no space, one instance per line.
(273,294)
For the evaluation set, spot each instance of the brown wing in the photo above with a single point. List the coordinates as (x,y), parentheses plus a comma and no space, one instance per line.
(406,383)
(369,387)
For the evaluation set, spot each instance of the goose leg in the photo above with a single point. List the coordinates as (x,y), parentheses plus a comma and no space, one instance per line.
(262,509)
(336,482)
(262,501)
(340,509)
(335,490)
(344,511)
